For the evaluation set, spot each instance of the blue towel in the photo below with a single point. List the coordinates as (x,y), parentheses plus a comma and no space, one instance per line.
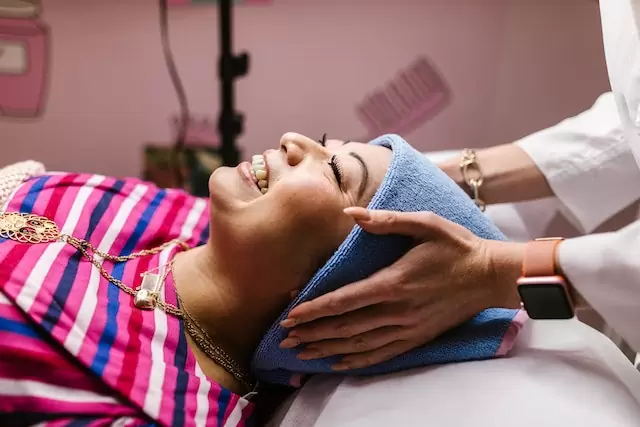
(412,183)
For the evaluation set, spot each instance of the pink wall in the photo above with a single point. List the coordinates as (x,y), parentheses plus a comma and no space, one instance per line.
(514,66)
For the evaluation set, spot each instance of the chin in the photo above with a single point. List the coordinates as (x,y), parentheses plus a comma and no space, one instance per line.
(215,178)
(226,188)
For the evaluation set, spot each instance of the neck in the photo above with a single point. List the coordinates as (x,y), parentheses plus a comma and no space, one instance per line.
(234,317)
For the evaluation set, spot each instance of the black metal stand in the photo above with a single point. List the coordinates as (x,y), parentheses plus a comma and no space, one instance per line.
(230,67)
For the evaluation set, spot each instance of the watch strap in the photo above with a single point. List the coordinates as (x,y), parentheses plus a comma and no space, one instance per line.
(540,257)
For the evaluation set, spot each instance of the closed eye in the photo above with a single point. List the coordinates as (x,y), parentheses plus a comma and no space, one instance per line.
(336,166)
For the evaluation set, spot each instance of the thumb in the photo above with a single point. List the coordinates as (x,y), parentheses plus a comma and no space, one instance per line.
(419,225)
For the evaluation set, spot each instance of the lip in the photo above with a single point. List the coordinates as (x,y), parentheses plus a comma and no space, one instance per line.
(244,169)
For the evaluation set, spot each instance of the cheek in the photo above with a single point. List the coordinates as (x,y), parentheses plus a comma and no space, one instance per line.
(299,223)
(306,200)
(310,214)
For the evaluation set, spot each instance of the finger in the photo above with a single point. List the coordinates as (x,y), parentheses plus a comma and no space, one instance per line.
(349,324)
(349,298)
(366,342)
(420,225)
(373,357)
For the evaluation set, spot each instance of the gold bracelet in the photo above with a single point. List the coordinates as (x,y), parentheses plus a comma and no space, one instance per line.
(472,175)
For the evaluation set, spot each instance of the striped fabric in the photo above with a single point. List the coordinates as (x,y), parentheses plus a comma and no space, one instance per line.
(73,349)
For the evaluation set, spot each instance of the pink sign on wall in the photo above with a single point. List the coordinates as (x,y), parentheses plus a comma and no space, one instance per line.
(415,95)
(24,47)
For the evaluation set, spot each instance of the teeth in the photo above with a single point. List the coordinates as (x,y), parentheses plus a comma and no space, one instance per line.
(259,172)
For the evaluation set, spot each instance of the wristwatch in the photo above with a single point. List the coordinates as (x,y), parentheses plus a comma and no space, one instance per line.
(543,292)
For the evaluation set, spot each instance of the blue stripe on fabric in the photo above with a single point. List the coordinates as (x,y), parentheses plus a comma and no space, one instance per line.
(15,327)
(204,236)
(182,380)
(110,331)
(83,422)
(65,284)
(30,199)
(223,403)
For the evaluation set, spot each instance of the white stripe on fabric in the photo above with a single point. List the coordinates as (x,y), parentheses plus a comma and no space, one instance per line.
(124,422)
(77,334)
(202,399)
(204,387)
(4,300)
(192,219)
(153,398)
(40,271)
(235,418)
(20,388)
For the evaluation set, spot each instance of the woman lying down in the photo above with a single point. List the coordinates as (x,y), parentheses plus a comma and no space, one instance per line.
(125,304)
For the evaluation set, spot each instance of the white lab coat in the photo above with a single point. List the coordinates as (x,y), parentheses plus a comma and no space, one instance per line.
(605,268)
(559,373)
(583,158)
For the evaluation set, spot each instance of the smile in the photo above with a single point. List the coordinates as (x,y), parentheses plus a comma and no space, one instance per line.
(259,173)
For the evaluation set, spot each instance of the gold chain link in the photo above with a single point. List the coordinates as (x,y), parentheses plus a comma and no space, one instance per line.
(473,176)
(88,250)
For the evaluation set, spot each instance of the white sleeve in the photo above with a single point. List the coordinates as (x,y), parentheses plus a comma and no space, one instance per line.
(605,270)
(588,164)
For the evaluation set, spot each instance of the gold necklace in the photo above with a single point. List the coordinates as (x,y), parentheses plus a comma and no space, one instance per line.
(34,229)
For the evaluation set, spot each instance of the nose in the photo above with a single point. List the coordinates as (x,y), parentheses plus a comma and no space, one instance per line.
(297,147)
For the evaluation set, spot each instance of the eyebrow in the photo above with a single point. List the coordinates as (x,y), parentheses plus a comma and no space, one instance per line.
(364,179)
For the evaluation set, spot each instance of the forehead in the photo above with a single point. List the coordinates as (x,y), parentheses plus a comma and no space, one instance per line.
(376,158)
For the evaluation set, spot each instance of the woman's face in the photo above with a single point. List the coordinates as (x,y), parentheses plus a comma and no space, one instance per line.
(280,217)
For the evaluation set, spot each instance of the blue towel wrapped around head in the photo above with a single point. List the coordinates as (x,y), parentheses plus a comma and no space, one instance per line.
(411,184)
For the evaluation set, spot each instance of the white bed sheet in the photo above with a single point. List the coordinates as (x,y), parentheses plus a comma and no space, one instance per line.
(560,373)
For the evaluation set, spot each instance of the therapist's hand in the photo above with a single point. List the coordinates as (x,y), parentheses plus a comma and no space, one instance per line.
(447,278)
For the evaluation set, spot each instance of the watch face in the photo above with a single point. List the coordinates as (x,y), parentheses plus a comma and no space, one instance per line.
(546,301)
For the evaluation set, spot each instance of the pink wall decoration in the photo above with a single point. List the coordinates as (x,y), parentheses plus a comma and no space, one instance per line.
(24,56)
(414,96)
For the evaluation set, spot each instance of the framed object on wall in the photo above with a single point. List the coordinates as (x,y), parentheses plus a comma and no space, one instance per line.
(24,58)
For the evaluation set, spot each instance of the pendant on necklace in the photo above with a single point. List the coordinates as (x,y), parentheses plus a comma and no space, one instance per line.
(147,294)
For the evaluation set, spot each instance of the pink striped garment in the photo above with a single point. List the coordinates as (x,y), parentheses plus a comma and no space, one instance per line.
(73,349)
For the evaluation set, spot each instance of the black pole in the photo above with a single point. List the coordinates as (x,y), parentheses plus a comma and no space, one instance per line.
(231,67)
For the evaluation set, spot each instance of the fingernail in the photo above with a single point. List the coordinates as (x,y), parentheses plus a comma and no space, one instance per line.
(340,367)
(358,213)
(289,343)
(288,323)
(308,354)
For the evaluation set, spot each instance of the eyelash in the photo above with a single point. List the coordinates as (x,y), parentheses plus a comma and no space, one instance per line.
(335,164)
(337,169)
